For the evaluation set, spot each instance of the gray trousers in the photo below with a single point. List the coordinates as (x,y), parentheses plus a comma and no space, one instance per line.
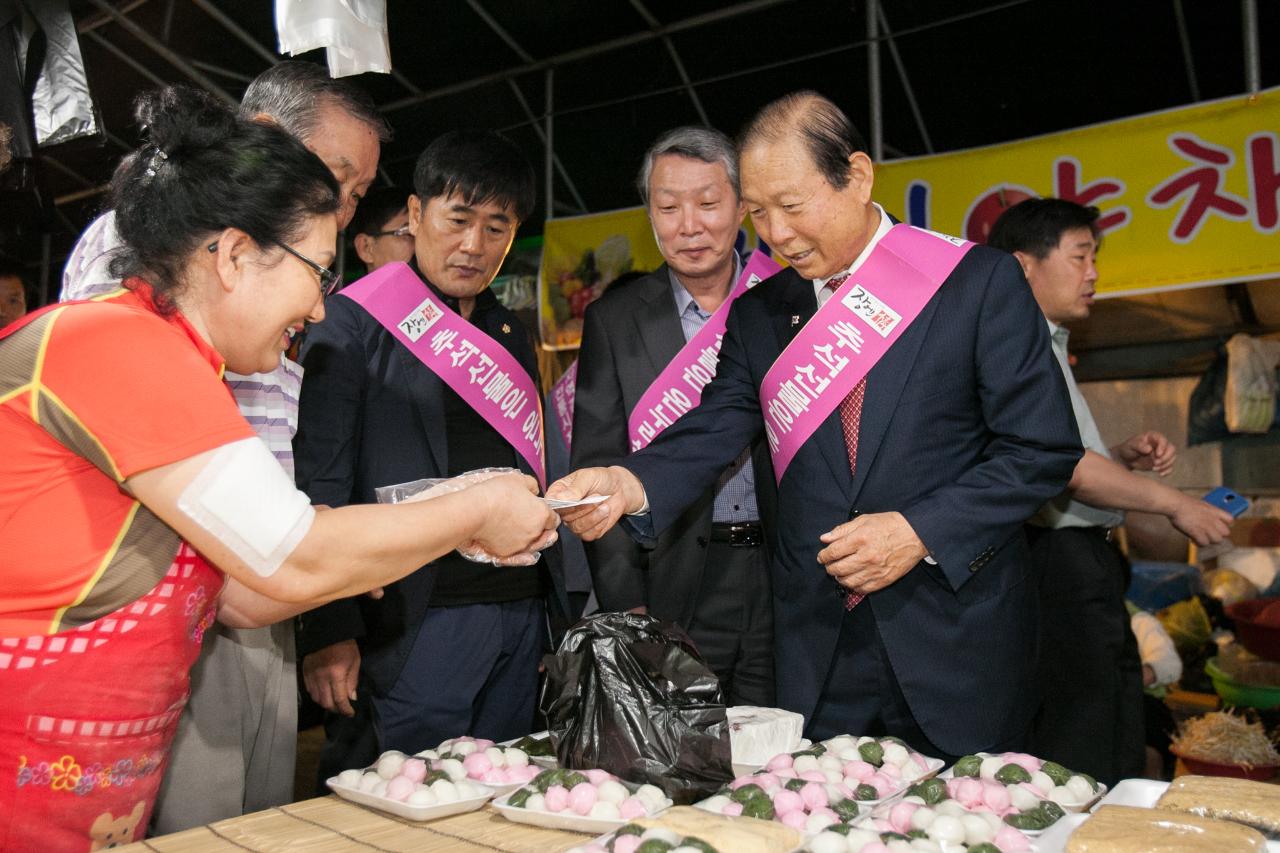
(237,739)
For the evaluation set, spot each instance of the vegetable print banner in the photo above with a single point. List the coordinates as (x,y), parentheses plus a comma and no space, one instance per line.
(582,255)
(1189,197)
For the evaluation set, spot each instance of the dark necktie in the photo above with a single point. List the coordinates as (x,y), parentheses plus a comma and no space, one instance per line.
(850,418)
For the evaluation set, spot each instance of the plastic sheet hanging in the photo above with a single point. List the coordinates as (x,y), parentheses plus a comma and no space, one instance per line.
(630,694)
(353,33)
(62,108)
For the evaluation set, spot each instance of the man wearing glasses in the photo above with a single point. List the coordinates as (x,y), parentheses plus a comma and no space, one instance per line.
(452,649)
(380,229)
(236,742)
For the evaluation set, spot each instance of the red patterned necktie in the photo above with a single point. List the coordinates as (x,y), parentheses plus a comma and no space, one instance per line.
(850,418)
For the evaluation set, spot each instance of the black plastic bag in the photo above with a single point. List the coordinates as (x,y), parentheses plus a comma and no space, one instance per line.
(1207,411)
(629,694)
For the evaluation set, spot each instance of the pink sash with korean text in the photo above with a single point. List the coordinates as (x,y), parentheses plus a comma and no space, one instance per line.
(850,332)
(562,394)
(474,365)
(678,387)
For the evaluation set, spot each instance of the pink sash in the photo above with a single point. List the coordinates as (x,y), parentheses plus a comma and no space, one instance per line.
(562,394)
(678,387)
(474,365)
(834,351)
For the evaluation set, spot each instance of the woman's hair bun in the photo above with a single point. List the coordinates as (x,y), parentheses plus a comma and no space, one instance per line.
(176,118)
(199,170)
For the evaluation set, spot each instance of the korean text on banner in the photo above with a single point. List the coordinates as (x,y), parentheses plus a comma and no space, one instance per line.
(1189,197)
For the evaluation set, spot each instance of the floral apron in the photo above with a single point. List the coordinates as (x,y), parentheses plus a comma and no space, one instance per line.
(87,715)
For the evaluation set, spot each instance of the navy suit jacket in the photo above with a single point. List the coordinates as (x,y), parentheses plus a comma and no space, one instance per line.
(966,430)
(370,415)
(629,337)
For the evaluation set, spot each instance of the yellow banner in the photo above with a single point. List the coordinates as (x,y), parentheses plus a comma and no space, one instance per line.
(582,255)
(1188,196)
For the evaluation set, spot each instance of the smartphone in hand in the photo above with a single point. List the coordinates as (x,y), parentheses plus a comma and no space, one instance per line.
(1225,498)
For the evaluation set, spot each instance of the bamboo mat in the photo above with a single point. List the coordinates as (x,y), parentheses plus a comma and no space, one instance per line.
(330,825)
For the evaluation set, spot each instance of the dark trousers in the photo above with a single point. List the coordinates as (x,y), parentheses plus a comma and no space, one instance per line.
(473,671)
(862,695)
(1089,674)
(732,623)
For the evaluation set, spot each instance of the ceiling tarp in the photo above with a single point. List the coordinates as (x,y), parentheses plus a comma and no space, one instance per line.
(1189,197)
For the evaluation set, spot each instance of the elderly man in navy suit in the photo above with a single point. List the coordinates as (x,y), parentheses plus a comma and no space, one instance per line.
(904,382)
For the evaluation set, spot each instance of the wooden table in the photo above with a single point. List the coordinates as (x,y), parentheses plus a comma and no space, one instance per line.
(329,825)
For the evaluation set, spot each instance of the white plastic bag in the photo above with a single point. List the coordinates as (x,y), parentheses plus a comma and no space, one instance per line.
(422,490)
(1250,399)
(352,32)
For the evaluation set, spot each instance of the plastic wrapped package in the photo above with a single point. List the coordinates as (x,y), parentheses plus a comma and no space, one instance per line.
(1250,398)
(629,694)
(421,490)
(352,32)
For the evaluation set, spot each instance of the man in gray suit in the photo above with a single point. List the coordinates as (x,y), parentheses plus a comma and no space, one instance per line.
(709,571)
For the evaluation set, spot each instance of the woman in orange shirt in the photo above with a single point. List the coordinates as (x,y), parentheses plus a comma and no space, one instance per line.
(137,505)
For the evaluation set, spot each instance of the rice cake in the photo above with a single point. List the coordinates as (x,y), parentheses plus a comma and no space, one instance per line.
(730,834)
(1125,829)
(1255,804)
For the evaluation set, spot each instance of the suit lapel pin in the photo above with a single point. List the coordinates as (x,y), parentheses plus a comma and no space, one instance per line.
(506,330)
(795,319)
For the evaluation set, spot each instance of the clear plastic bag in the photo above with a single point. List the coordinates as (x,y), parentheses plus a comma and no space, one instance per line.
(352,32)
(422,490)
(1250,398)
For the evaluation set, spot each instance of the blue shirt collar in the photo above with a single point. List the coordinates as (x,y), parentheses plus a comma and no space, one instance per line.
(684,298)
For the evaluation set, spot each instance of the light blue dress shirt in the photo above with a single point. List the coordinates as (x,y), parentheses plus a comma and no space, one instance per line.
(735,497)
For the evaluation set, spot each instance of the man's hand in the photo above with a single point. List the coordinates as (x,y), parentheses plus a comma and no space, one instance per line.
(623,492)
(1201,522)
(872,551)
(330,676)
(1146,451)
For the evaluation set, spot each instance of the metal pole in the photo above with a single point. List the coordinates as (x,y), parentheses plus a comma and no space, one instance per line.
(128,60)
(236,30)
(1184,39)
(159,47)
(550,158)
(537,128)
(80,195)
(873,82)
(1252,56)
(586,52)
(46,256)
(906,82)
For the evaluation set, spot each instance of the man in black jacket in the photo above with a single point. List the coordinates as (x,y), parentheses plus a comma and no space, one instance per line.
(709,571)
(453,649)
